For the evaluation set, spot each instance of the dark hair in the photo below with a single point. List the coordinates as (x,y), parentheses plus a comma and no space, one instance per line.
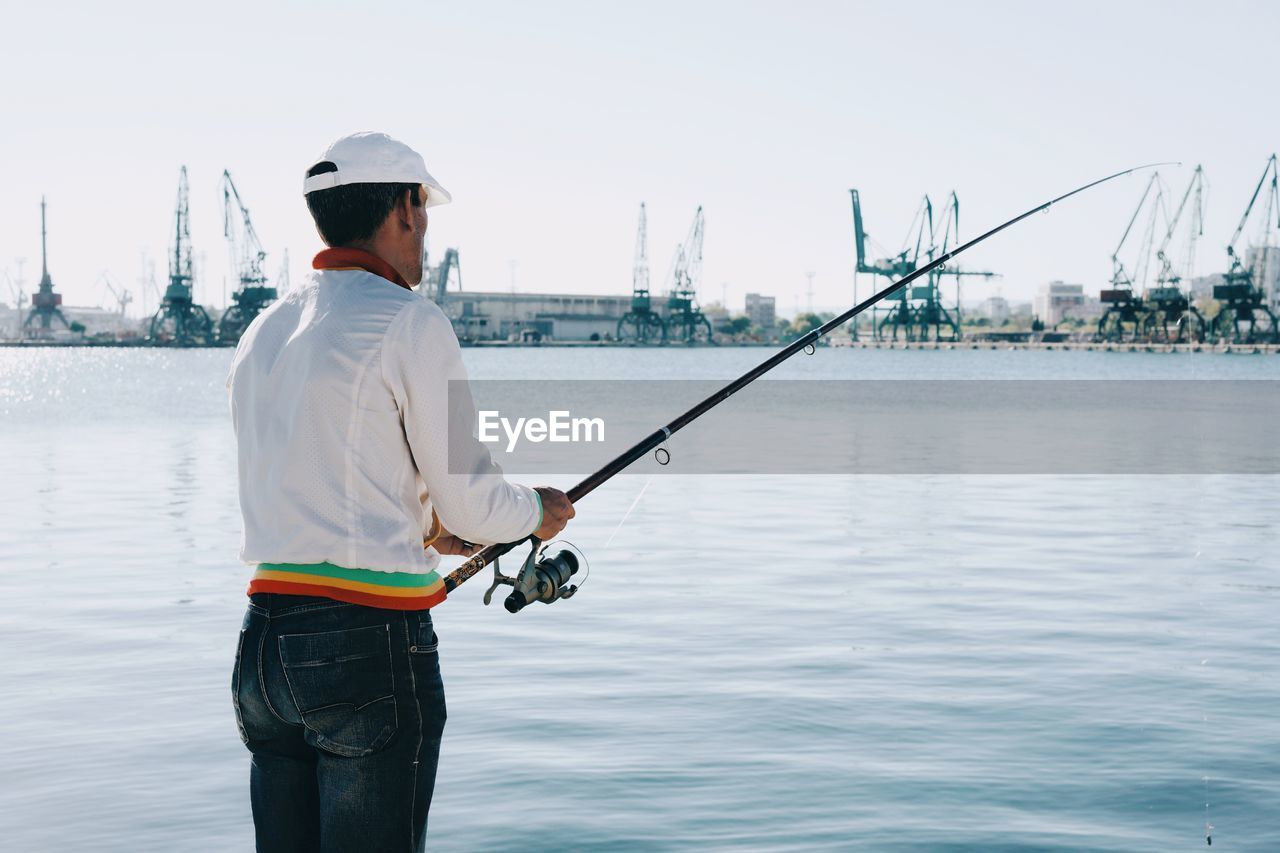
(352,212)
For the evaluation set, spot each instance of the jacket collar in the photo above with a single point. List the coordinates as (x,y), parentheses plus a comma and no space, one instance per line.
(357,259)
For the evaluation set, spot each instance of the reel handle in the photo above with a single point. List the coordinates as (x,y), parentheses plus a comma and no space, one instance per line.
(498,580)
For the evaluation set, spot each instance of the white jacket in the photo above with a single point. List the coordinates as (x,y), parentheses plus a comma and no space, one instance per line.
(338,396)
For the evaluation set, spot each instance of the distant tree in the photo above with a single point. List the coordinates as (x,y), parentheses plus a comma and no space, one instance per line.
(801,325)
(806,322)
(734,326)
(77,327)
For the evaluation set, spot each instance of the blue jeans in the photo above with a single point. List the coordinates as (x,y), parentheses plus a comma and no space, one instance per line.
(342,708)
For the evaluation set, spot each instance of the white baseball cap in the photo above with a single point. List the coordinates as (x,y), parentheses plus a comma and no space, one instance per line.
(375,158)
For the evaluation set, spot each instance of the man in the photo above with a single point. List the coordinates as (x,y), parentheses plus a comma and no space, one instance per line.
(339,396)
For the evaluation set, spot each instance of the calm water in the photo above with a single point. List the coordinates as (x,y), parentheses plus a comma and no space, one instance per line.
(773,663)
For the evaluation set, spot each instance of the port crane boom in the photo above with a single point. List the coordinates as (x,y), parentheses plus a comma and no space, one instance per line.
(237,227)
(1243,313)
(685,322)
(1272,204)
(1168,304)
(248,258)
(905,261)
(1195,190)
(1126,312)
(932,314)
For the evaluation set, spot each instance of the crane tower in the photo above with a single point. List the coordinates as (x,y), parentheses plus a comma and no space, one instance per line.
(685,321)
(930,317)
(44,302)
(1127,312)
(641,323)
(179,320)
(903,263)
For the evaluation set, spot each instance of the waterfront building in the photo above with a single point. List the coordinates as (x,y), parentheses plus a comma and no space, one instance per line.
(97,320)
(1264,261)
(10,321)
(762,311)
(1202,286)
(1059,300)
(1020,309)
(994,308)
(531,317)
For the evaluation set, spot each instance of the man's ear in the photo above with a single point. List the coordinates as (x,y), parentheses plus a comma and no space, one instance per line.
(404,210)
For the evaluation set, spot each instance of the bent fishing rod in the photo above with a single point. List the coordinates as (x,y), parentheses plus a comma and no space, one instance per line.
(547,579)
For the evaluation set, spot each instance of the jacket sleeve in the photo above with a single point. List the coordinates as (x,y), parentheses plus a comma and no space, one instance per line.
(422,365)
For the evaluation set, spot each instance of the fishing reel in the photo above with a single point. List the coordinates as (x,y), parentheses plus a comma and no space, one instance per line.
(541,578)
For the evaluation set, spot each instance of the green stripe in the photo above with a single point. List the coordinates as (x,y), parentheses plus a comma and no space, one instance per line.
(329,570)
(538,497)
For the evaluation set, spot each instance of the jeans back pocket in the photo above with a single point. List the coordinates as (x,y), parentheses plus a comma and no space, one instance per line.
(343,685)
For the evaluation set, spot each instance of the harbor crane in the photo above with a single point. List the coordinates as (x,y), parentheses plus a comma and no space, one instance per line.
(450,267)
(248,259)
(436,286)
(918,312)
(905,262)
(1126,312)
(685,322)
(466,325)
(45,303)
(123,298)
(1169,303)
(180,321)
(1243,313)
(19,299)
(641,324)
(930,316)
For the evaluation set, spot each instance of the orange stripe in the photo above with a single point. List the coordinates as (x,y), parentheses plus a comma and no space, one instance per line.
(349,596)
(343,583)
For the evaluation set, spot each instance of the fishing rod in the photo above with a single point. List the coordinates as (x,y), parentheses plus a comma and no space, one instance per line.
(547,579)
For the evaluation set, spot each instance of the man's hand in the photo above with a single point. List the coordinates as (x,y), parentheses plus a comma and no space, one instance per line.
(556,512)
(447,544)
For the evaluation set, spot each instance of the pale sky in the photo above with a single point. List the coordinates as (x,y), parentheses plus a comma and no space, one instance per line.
(550,123)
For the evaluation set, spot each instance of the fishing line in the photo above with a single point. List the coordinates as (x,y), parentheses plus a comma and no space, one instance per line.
(1208,827)
(627,514)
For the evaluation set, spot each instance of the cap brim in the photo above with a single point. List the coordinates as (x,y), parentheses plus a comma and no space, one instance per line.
(436,194)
